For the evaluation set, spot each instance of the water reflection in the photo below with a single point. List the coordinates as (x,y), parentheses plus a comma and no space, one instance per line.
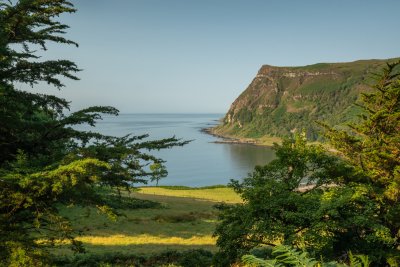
(246,155)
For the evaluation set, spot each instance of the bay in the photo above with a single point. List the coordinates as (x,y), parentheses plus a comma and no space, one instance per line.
(199,163)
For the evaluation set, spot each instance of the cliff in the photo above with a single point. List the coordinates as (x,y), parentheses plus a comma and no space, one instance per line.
(281,100)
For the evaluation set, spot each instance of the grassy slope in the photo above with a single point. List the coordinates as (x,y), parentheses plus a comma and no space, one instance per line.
(273,108)
(222,194)
(185,220)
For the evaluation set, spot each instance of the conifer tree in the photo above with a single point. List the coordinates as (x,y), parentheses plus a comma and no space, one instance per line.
(373,148)
(373,145)
(44,160)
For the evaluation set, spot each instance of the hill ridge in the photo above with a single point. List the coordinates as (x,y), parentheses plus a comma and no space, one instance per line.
(281,100)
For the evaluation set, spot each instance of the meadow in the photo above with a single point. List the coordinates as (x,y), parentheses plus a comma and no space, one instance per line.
(167,218)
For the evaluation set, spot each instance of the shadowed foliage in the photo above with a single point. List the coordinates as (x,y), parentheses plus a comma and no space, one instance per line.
(44,160)
(352,203)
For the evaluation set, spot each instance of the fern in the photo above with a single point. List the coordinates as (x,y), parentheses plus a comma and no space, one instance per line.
(293,257)
(358,260)
(288,256)
(253,261)
(284,256)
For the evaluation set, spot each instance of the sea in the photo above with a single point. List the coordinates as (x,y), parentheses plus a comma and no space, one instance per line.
(202,162)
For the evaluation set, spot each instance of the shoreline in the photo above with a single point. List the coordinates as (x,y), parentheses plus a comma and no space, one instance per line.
(268,142)
(228,139)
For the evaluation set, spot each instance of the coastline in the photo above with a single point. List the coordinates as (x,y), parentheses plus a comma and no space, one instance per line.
(227,139)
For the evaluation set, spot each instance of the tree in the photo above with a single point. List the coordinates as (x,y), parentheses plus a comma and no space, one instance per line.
(373,148)
(159,171)
(354,205)
(44,160)
(282,201)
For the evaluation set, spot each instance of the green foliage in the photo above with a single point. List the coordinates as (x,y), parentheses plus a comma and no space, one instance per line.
(189,258)
(288,256)
(21,256)
(245,115)
(123,202)
(353,203)
(183,217)
(44,160)
(253,261)
(321,84)
(274,209)
(320,92)
(358,260)
(159,171)
(373,144)
(372,147)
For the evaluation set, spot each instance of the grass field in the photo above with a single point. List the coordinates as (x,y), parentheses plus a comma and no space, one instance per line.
(185,220)
(219,194)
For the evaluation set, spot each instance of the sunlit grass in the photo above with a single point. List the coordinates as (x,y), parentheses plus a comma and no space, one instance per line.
(223,194)
(268,140)
(185,220)
(146,239)
(143,239)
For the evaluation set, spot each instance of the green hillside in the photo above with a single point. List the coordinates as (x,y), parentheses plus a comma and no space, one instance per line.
(281,100)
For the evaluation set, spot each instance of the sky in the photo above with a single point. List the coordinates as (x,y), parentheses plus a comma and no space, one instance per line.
(187,56)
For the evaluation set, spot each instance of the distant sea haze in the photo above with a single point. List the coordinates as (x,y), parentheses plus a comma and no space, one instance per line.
(199,163)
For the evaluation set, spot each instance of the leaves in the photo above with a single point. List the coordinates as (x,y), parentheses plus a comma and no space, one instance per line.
(358,260)
(253,261)
(282,200)
(352,202)
(45,161)
(31,22)
(286,255)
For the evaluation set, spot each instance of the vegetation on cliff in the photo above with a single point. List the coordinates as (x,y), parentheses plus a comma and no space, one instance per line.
(53,177)
(283,100)
(352,204)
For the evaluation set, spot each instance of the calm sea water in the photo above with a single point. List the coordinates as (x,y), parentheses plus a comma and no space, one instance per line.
(200,163)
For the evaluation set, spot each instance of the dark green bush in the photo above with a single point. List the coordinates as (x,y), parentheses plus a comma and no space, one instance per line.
(189,258)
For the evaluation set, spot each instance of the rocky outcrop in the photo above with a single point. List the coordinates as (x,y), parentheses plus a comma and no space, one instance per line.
(281,100)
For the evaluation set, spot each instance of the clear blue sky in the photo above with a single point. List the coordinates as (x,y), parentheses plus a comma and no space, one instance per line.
(177,56)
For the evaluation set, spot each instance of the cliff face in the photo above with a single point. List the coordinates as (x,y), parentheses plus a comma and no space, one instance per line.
(281,100)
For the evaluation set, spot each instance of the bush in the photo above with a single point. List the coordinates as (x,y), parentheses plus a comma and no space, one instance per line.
(189,258)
